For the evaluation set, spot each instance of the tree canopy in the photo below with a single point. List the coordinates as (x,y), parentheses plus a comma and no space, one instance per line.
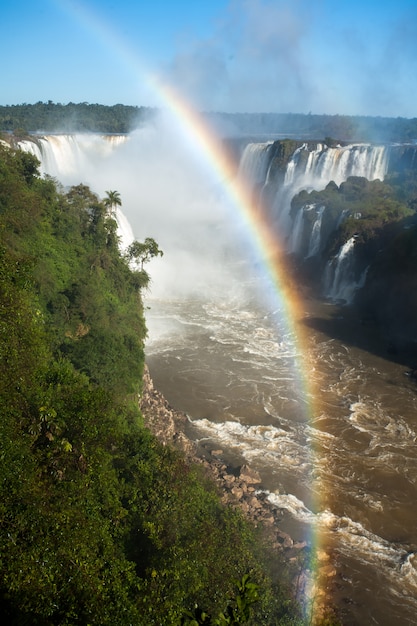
(112,200)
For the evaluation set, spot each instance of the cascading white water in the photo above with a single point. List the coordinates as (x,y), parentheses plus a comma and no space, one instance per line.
(65,156)
(315,239)
(340,283)
(297,233)
(310,169)
(253,166)
(156,175)
(124,229)
(292,166)
(344,214)
(337,164)
(329,164)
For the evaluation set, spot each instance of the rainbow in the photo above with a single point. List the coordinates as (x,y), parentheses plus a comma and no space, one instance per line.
(269,251)
(195,129)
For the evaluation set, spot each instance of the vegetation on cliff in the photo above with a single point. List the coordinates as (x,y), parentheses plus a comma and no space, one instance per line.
(99,523)
(381,216)
(368,208)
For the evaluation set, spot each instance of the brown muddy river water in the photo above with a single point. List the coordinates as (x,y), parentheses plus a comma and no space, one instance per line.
(344,471)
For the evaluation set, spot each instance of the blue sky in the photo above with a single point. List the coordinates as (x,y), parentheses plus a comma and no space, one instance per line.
(325,56)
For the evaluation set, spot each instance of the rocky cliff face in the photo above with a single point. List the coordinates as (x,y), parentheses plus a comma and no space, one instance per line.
(389,297)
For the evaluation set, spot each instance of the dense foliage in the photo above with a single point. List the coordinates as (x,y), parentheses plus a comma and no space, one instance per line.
(99,523)
(83,117)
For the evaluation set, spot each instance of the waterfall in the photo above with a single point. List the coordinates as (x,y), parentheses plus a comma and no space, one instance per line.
(292,166)
(65,156)
(308,168)
(337,164)
(297,233)
(124,230)
(315,239)
(254,164)
(339,278)
(314,168)
(94,160)
(344,214)
(302,224)
(167,194)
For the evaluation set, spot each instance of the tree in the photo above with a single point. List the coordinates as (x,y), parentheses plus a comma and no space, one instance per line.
(29,166)
(112,201)
(141,253)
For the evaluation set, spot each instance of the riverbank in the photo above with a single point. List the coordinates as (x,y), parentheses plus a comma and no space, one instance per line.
(241,487)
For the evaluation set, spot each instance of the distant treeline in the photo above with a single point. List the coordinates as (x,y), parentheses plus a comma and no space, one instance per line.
(120,118)
(335,128)
(82,117)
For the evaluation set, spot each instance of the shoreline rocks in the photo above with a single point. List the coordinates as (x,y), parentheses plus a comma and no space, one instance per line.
(239,487)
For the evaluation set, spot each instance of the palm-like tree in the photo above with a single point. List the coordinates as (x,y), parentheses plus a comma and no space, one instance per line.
(112,201)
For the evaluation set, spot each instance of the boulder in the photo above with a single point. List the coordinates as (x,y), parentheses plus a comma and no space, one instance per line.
(249,475)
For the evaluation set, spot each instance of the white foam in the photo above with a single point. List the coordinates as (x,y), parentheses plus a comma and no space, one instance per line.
(385,431)
(353,537)
(294,506)
(262,442)
(409,568)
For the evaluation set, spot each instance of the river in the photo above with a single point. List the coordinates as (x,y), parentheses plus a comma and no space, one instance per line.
(345,470)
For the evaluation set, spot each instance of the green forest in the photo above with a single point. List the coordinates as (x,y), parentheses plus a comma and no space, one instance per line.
(99,523)
(72,117)
(84,117)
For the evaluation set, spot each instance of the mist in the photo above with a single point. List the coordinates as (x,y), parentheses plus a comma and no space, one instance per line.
(169,192)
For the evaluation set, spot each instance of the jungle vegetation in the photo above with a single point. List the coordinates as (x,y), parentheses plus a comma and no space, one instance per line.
(99,523)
